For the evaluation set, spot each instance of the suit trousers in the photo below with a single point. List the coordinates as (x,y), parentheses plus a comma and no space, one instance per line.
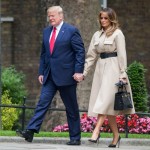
(69,98)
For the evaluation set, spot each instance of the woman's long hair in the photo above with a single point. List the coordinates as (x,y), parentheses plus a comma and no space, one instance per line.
(112,18)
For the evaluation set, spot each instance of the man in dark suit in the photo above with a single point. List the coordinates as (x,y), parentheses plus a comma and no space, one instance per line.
(61,64)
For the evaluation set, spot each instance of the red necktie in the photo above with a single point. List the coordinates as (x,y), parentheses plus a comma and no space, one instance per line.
(52,40)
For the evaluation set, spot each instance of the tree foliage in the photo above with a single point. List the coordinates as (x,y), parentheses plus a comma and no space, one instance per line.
(9,115)
(13,82)
(136,73)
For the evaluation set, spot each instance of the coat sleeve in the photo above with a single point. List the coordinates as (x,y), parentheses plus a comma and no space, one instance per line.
(91,56)
(42,56)
(78,47)
(121,52)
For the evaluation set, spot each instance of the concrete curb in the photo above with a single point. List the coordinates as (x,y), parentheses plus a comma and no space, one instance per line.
(84,141)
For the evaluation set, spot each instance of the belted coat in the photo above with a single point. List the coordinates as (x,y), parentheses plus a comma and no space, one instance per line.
(107,72)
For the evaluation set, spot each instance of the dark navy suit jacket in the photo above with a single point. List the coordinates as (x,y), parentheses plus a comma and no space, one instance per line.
(67,58)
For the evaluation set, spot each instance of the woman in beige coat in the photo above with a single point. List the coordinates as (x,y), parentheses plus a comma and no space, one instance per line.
(107,47)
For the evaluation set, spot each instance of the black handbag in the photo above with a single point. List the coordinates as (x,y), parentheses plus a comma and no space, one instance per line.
(122,99)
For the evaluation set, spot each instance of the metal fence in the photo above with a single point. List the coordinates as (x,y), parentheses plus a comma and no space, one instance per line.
(24,107)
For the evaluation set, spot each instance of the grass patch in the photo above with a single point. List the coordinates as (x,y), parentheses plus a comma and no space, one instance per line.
(66,134)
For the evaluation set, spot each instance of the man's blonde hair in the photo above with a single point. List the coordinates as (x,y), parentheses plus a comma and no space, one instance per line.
(56,8)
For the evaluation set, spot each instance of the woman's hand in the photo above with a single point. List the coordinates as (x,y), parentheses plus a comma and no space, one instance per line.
(124,80)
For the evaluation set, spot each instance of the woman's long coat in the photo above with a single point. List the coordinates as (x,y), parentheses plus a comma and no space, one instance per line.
(107,72)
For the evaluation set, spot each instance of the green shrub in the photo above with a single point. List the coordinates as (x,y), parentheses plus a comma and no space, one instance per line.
(13,81)
(9,115)
(136,73)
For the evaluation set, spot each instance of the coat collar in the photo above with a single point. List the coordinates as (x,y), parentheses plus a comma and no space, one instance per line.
(101,32)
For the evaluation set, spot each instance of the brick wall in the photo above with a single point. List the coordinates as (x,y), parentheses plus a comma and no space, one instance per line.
(21,39)
(7,47)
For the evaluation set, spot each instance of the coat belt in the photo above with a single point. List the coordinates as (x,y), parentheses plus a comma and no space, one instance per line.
(107,55)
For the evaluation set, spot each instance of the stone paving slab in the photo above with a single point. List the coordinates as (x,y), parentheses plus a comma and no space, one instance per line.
(46,143)
(61,140)
(43,146)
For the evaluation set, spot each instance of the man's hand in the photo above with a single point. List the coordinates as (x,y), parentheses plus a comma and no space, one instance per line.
(41,79)
(78,77)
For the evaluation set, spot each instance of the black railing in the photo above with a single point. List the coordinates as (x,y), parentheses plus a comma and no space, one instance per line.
(24,107)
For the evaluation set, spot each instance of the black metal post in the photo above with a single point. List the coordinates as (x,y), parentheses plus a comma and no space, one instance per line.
(23,112)
(0,69)
(126,125)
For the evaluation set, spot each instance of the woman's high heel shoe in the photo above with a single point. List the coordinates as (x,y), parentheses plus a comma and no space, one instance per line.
(118,143)
(95,141)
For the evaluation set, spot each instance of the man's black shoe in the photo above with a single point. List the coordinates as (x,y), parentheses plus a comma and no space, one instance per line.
(74,142)
(27,134)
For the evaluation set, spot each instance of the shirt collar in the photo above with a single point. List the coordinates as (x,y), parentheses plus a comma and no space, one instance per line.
(59,26)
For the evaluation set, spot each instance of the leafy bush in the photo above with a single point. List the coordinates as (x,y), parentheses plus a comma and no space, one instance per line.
(13,82)
(136,73)
(135,124)
(9,115)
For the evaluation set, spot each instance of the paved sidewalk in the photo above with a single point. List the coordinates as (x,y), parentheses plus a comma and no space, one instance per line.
(17,143)
(43,146)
